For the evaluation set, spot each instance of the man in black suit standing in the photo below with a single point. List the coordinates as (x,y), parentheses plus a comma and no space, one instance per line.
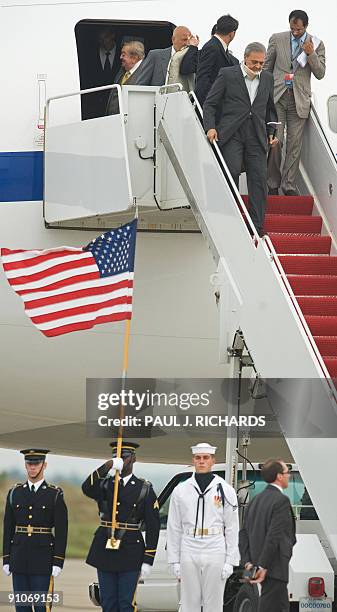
(237,111)
(100,67)
(268,537)
(213,56)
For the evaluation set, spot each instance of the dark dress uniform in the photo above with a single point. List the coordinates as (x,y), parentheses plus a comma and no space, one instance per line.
(118,570)
(34,537)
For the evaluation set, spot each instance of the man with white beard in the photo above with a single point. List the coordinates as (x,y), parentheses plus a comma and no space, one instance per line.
(202,534)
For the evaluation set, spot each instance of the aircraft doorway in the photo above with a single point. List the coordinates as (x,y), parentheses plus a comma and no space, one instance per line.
(95,38)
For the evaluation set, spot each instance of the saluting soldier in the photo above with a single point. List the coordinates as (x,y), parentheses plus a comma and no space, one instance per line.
(35,530)
(119,569)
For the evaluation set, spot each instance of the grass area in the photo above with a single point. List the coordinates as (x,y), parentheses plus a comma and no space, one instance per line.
(83,517)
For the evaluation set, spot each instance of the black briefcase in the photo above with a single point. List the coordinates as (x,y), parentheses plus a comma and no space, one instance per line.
(94,595)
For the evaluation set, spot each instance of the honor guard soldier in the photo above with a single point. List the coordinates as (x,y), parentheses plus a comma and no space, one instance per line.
(120,567)
(35,531)
(202,534)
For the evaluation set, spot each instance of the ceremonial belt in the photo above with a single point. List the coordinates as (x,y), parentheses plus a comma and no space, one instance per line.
(125,526)
(204,532)
(29,529)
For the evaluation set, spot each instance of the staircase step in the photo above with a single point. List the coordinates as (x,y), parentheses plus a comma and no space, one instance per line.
(327,345)
(313,284)
(297,224)
(300,243)
(309,264)
(331,364)
(288,205)
(322,325)
(316,305)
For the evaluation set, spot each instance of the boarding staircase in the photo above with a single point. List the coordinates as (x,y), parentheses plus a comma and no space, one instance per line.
(311,269)
(280,291)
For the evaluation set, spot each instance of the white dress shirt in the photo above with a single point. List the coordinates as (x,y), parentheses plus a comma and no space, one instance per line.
(36,484)
(102,54)
(251,84)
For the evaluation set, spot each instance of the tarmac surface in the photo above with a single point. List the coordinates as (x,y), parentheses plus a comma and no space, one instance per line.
(73,582)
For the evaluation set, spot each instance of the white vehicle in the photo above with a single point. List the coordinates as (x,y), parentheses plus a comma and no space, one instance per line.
(177,329)
(161,590)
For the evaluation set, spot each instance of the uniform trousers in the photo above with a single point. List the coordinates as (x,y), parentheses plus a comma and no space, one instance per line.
(274,596)
(201,582)
(244,148)
(30,583)
(118,590)
(287,114)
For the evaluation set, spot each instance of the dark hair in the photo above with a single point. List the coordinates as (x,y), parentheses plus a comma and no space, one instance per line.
(302,15)
(270,469)
(226,24)
(213,30)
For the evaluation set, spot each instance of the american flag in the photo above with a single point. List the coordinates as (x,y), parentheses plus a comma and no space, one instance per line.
(67,289)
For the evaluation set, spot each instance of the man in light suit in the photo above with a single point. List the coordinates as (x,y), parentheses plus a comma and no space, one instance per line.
(292,57)
(236,113)
(162,66)
(132,56)
(268,537)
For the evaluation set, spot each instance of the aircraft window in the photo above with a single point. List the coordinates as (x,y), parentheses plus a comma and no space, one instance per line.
(95,38)
(332,113)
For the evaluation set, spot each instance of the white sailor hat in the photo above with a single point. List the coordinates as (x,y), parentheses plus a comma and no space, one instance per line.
(203,447)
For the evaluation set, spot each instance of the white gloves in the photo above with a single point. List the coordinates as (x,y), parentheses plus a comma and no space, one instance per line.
(56,571)
(145,571)
(227,571)
(118,464)
(176,570)
(6,569)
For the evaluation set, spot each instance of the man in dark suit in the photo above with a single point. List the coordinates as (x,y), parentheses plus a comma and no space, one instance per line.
(213,56)
(237,111)
(268,537)
(100,68)
(35,531)
(132,56)
(119,568)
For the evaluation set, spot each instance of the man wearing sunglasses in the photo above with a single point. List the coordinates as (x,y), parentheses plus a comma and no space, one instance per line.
(268,536)
(122,557)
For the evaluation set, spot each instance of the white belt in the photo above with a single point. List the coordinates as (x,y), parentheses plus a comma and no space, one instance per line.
(205,532)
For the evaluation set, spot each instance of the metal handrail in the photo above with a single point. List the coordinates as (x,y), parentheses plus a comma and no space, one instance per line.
(323,134)
(228,175)
(325,373)
(80,92)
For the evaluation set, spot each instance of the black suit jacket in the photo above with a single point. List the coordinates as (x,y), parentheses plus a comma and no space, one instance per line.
(268,535)
(207,63)
(228,105)
(132,552)
(35,553)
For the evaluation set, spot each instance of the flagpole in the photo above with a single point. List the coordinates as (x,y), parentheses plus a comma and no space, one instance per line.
(113,542)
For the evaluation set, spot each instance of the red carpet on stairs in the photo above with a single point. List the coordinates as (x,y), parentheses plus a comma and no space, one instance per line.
(312,272)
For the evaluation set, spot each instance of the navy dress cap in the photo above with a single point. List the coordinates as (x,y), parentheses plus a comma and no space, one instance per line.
(34,455)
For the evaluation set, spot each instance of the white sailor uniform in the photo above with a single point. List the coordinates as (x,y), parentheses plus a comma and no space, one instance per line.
(202,535)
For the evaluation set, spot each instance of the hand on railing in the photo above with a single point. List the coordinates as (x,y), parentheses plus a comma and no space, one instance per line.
(212,135)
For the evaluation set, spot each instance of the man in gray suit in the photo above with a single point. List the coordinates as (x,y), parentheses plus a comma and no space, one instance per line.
(268,536)
(132,56)
(237,111)
(162,66)
(292,57)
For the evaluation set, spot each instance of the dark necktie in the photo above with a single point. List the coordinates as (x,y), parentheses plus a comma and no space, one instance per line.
(107,67)
(32,489)
(121,483)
